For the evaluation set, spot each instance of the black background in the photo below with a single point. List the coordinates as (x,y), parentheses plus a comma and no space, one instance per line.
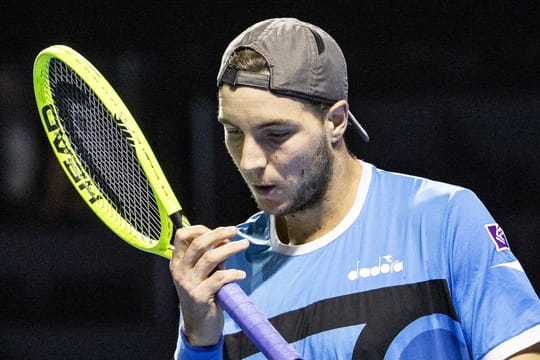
(447,90)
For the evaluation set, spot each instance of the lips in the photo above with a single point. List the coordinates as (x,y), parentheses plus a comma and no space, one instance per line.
(263,190)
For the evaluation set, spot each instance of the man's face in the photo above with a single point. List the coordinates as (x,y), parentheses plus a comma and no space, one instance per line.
(279,146)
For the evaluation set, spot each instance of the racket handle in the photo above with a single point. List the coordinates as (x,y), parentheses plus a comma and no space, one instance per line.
(256,327)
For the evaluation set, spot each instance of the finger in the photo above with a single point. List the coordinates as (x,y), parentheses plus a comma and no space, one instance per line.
(184,236)
(205,242)
(211,259)
(182,239)
(218,279)
(203,293)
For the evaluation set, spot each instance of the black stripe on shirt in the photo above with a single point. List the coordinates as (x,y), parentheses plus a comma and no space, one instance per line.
(385,312)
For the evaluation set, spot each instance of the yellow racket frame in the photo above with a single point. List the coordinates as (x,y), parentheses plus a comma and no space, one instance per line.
(70,163)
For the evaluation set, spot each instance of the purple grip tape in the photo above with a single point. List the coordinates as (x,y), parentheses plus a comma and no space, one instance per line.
(256,327)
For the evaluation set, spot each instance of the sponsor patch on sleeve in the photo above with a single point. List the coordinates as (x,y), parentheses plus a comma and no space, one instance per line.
(498,237)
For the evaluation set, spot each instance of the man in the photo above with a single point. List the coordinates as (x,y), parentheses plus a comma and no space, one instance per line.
(353,261)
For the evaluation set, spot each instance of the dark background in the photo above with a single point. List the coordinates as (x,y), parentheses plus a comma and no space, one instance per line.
(447,90)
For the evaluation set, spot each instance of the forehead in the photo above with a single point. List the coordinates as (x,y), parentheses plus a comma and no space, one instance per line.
(245,103)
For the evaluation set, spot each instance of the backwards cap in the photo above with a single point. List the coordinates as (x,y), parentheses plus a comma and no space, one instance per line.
(304,62)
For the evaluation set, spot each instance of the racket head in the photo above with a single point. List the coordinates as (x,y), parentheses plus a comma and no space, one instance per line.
(102,150)
(66,103)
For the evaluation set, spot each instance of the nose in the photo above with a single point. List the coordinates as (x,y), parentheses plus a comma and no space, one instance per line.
(253,156)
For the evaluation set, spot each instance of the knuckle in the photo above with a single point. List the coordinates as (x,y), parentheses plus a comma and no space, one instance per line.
(198,246)
(176,265)
(220,276)
(211,257)
(187,233)
(177,276)
(181,234)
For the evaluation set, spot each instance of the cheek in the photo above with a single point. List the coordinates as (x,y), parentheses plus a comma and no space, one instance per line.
(306,161)
(234,150)
(291,166)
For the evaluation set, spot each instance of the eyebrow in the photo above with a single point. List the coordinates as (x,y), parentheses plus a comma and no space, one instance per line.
(224,121)
(266,124)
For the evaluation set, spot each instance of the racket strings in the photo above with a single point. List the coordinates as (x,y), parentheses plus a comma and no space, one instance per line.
(105,149)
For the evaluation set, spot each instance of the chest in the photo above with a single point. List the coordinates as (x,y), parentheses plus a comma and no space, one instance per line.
(354,295)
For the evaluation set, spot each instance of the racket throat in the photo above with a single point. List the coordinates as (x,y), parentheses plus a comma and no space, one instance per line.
(177,219)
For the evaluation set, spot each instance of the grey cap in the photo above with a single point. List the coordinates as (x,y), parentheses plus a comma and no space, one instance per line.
(304,61)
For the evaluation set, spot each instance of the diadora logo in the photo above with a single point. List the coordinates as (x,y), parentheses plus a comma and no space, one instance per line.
(387,265)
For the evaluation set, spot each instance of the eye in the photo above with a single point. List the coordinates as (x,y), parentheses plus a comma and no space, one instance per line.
(232,131)
(278,135)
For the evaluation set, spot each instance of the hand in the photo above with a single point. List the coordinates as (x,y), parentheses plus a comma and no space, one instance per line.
(198,252)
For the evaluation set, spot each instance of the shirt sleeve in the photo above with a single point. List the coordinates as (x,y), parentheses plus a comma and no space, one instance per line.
(495,301)
(185,351)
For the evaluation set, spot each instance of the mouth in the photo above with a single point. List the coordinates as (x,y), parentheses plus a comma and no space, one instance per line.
(263,190)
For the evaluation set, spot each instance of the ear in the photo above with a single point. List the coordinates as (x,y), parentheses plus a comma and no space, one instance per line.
(337,118)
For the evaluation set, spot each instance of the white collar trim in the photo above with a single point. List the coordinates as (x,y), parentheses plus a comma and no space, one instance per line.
(348,220)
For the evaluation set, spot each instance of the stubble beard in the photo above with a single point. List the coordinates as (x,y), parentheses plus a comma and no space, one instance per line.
(315,180)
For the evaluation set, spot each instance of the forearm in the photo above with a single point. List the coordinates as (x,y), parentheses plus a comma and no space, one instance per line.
(526,356)
(531,353)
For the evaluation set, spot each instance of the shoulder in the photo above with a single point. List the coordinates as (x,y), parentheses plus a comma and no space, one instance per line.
(416,192)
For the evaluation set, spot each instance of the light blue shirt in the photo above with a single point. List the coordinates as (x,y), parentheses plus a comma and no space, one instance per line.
(416,268)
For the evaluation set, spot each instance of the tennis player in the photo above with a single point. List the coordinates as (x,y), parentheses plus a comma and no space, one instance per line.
(353,262)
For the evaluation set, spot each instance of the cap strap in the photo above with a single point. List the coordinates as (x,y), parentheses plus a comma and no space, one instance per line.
(239,77)
(361,131)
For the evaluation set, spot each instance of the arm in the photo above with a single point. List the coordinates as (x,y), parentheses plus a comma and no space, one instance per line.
(531,353)
(497,305)
(198,252)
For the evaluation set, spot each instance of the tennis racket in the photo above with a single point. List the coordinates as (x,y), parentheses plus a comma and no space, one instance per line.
(106,157)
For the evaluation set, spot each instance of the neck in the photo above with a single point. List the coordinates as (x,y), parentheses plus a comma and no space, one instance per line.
(310,224)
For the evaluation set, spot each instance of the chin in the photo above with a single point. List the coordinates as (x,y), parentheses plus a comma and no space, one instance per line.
(278,211)
(273,209)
